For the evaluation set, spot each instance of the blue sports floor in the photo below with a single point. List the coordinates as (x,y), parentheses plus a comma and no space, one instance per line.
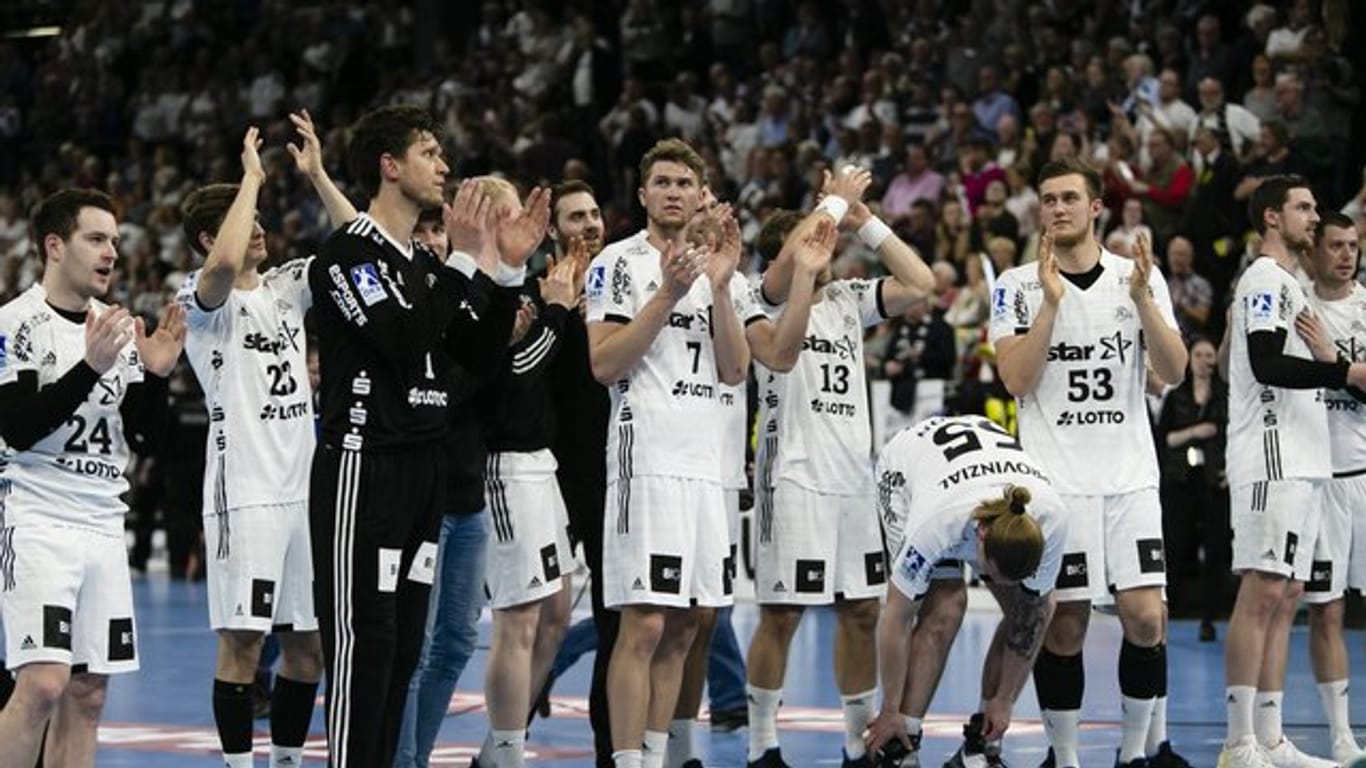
(161,715)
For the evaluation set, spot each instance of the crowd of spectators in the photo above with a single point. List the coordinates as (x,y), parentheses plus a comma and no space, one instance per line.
(952,105)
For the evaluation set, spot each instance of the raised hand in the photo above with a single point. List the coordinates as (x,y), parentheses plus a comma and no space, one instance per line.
(578,256)
(560,284)
(468,219)
(520,235)
(1308,326)
(724,258)
(850,183)
(1050,277)
(160,349)
(813,253)
(681,265)
(308,153)
(251,159)
(857,216)
(1139,290)
(105,337)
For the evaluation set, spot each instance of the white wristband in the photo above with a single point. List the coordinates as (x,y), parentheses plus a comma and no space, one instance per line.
(873,232)
(834,205)
(462,262)
(509,277)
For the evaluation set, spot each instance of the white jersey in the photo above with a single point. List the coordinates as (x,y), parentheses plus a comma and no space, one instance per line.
(818,411)
(1345,322)
(1086,420)
(734,437)
(1274,433)
(75,475)
(250,357)
(933,475)
(665,416)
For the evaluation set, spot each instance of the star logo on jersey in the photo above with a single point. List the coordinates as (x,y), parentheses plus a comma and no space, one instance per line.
(1348,348)
(111,390)
(1114,346)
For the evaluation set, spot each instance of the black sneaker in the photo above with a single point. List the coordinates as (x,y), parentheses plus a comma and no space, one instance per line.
(895,755)
(693,763)
(772,758)
(1049,761)
(1166,758)
(993,753)
(1137,762)
(974,746)
(863,761)
(727,720)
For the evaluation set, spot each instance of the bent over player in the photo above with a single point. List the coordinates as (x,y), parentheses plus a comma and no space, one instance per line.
(952,490)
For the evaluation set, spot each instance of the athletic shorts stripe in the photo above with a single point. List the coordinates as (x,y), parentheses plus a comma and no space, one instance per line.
(626,434)
(495,491)
(339,710)
(1271,448)
(766,483)
(7,557)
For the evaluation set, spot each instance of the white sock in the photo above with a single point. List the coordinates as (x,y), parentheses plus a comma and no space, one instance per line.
(681,746)
(763,719)
(1266,720)
(286,757)
(1334,697)
(241,760)
(1157,729)
(1138,717)
(656,744)
(1241,700)
(626,758)
(503,749)
(1061,727)
(914,725)
(858,713)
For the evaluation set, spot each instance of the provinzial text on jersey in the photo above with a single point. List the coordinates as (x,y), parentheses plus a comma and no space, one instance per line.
(987,468)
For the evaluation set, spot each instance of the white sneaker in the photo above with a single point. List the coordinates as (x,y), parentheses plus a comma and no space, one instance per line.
(1286,755)
(1346,750)
(1246,753)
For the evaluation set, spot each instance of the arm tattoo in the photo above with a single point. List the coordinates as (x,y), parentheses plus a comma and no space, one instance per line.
(1025,623)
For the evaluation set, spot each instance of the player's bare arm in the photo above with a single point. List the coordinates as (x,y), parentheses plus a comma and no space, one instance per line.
(911,277)
(1020,359)
(732,353)
(228,253)
(1025,617)
(893,646)
(1166,350)
(849,186)
(615,348)
(308,159)
(778,344)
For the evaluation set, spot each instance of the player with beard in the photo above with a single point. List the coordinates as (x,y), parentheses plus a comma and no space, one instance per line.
(1338,330)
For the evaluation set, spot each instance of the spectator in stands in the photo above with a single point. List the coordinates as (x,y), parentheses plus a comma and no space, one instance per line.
(1237,122)
(992,219)
(1192,295)
(1260,98)
(1208,56)
(917,181)
(1277,157)
(992,103)
(976,170)
(1164,187)
(920,346)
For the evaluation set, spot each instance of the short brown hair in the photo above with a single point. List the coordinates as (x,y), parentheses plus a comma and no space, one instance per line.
(1271,194)
(204,211)
(673,151)
(58,213)
(565,189)
(389,130)
(1014,540)
(773,234)
(1069,166)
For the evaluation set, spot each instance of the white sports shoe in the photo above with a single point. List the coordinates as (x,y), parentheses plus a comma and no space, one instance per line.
(1345,751)
(1286,755)
(1246,753)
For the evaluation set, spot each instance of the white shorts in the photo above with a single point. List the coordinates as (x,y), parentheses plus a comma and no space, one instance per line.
(1114,543)
(68,599)
(1275,524)
(260,567)
(816,547)
(665,542)
(528,554)
(1338,548)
